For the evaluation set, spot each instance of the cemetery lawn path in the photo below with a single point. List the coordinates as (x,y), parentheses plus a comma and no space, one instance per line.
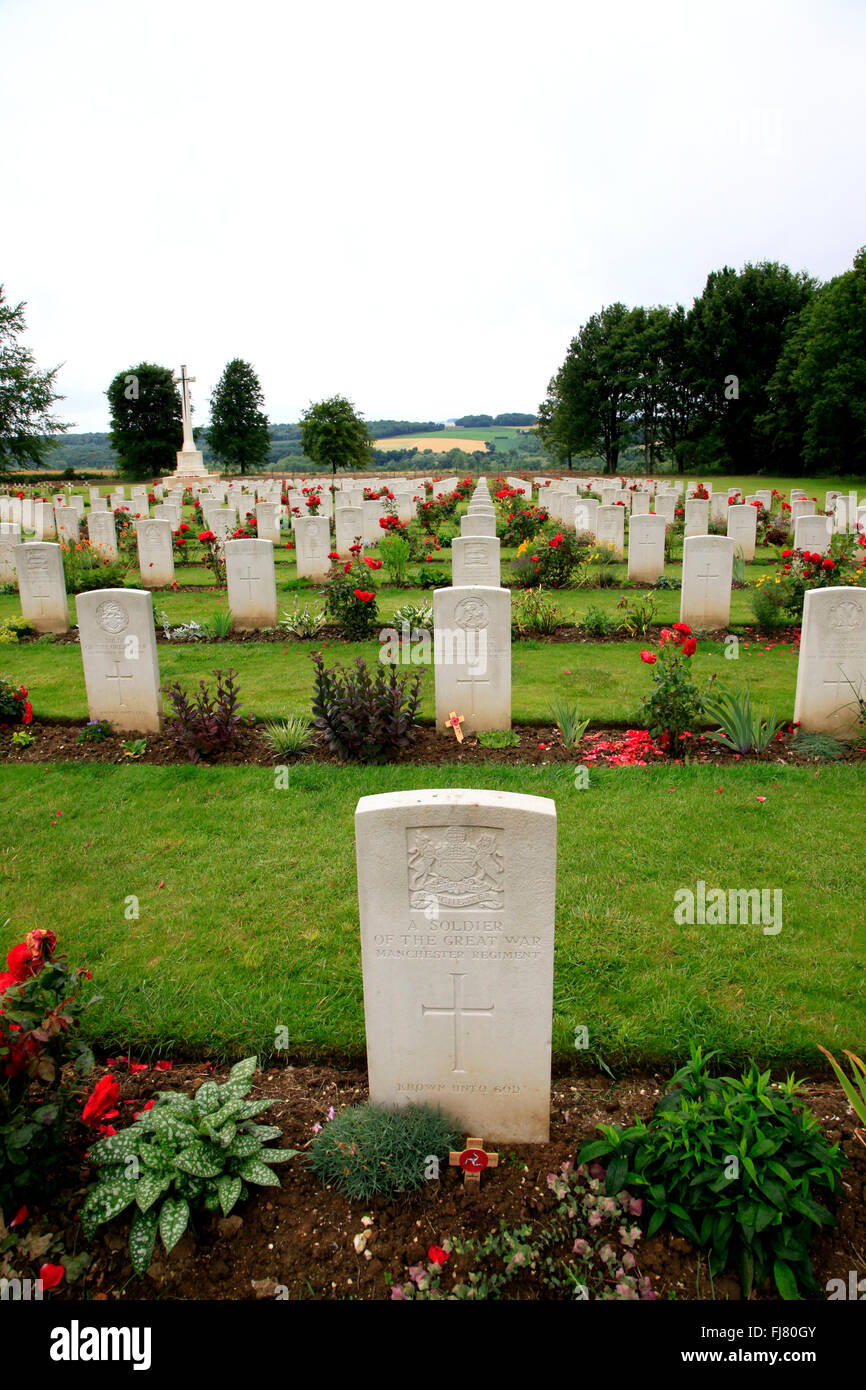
(213,908)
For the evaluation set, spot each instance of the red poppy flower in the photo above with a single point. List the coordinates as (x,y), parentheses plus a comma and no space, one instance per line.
(137,1066)
(100,1102)
(437,1255)
(649,657)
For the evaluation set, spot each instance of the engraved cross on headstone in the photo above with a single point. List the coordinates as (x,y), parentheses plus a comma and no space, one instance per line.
(848,684)
(249,579)
(706,577)
(458,1013)
(118,677)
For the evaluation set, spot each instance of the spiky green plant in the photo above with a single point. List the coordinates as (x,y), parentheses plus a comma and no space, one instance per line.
(566,717)
(368,1150)
(219,624)
(741,728)
(287,736)
(183,1154)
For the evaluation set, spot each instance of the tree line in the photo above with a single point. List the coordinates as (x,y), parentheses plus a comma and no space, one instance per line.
(765,372)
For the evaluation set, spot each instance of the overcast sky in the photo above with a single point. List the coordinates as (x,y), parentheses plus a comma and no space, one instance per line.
(415,206)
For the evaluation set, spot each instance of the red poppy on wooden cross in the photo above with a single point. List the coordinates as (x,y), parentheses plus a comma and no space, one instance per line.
(455,720)
(473,1160)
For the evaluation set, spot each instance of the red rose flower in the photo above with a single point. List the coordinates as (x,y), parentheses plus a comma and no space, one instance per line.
(827,565)
(683,629)
(100,1102)
(363,595)
(689,647)
(649,657)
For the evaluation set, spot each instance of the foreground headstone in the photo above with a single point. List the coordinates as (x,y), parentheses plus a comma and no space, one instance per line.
(457,895)
(708,563)
(42,586)
(118,648)
(831,669)
(472,655)
(646,548)
(155,553)
(251,581)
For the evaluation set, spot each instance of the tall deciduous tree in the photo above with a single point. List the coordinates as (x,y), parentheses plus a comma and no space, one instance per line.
(27,427)
(817,416)
(146,420)
(239,434)
(335,436)
(736,330)
(591,400)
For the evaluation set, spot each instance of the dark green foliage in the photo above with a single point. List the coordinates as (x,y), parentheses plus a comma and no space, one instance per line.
(734,1165)
(146,420)
(824,748)
(209,723)
(370,1151)
(238,433)
(357,618)
(365,718)
(335,436)
(183,1154)
(26,396)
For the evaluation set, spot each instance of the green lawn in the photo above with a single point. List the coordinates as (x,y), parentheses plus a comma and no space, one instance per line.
(606,680)
(248,911)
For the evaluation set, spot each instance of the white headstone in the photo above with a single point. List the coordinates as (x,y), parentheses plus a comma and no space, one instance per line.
(66,519)
(43,521)
(312,546)
(118,648)
(585,513)
(268,522)
(697,516)
(610,528)
(472,655)
(831,670)
(646,548)
(457,895)
(742,528)
(155,553)
(349,526)
(812,533)
(474,561)
(10,536)
(477,525)
(102,535)
(252,590)
(42,586)
(708,561)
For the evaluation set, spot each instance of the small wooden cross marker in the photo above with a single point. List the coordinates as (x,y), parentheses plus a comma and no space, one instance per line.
(473,1160)
(455,720)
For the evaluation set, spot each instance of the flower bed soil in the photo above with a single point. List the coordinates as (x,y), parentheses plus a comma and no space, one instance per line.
(56,741)
(302,1236)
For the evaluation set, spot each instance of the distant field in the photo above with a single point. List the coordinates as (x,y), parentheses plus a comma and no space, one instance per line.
(438,442)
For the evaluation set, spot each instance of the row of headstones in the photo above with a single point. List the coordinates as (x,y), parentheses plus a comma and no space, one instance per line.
(472,641)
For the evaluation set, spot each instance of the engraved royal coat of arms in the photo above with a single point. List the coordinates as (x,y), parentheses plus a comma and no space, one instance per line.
(455,867)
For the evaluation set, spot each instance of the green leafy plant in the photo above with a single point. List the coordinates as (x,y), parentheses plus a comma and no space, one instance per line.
(365,717)
(11,629)
(368,1150)
(94,731)
(22,738)
(638,614)
(15,708)
(418,617)
(288,736)
(741,728)
(182,1155)
(668,581)
(597,623)
(856,1098)
(305,622)
(768,606)
(395,551)
(534,612)
(184,632)
(433,579)
(85,568)
(736,1165)
(567,719)
(738,569)
(499,738)
(134,748)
